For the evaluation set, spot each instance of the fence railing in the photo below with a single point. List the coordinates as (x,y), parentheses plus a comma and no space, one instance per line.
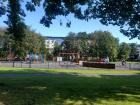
(62,65)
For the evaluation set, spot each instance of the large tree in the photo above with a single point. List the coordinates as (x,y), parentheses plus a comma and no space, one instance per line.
(16,26)
(83,44)
(32,43)
(134,54)
(77,43)
(124,51)
(104,45)
(124,13)
(70,43)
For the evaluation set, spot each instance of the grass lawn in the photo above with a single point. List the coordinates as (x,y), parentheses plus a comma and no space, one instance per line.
(69,89)
(6,70)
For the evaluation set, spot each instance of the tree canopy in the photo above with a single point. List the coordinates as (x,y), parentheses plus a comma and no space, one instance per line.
(134,53)
(100,44)
(16,25)
(32,43)
(105,45)
(123,13)
(124,51)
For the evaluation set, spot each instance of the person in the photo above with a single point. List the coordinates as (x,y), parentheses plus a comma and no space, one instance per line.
(123,62)
(107,60)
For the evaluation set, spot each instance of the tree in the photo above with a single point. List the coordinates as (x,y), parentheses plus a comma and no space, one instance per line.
(116,12)
(57,49)
(2,32)
(70,43)
(77,43)
(124,51)
(134,52)
(104,45)
(3,45)
(32,43)
(16,27)
(124,13)
(83,44)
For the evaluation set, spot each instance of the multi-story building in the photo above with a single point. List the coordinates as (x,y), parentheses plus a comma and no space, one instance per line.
(52,41)
(50,44)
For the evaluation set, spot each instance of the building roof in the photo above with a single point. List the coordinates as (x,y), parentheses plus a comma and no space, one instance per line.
(55,37)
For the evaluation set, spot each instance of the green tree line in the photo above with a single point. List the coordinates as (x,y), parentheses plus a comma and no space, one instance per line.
(97,45)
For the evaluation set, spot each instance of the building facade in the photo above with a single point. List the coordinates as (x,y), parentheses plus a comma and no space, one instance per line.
(52,41)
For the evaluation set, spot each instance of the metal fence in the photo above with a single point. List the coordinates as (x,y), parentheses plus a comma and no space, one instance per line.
(127,66)
(48,64)
(63,65)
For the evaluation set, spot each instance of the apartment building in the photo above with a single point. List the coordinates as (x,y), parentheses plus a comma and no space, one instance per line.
(52,41)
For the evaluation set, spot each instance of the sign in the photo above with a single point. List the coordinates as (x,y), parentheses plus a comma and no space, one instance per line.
(59,59)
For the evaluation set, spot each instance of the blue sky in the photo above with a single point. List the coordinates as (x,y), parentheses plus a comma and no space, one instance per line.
(32,19)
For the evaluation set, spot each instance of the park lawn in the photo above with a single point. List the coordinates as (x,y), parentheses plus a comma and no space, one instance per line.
(70,90)
(8,70)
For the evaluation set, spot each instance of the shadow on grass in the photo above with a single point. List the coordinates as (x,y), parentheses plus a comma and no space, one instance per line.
(69,90)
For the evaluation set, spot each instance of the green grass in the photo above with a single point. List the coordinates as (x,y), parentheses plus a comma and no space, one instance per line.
(68,71)
(70,90)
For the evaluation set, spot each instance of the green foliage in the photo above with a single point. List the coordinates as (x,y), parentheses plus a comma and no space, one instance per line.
(16,26)
(76,43)
(57,49)
(32,42)
(83,43)
(104,45)
(124,13)
(70,44)
(116,12)
(49,55)
(98,44)
(124,51)
(3,44)
(134,54)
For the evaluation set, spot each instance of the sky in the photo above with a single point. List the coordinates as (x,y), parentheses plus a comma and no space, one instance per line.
(32,19)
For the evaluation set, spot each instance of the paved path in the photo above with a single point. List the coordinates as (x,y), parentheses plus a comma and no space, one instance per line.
(63,74)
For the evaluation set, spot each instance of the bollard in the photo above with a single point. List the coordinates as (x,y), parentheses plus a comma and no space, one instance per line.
(30,64)
(48,64)
(13,64)
(67,64)
(129,66)
(21,64)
